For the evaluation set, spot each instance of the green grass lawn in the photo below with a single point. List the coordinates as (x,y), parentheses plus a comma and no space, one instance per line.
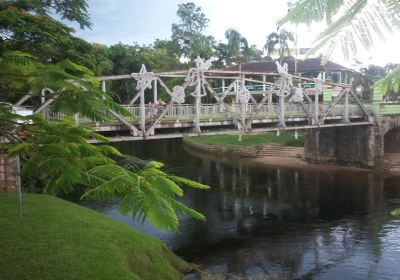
(56,239)
(284,139)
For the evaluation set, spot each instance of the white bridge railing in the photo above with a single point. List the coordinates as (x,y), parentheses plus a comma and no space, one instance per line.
(187,112)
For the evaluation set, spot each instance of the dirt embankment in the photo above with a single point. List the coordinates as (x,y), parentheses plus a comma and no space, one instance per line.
(292,157)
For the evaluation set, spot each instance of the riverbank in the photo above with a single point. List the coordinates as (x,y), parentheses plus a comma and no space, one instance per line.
(57,239)
(268,150)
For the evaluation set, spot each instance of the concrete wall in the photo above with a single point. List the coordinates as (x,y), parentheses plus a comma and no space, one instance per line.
(392,141)
(352,145)
(216,149)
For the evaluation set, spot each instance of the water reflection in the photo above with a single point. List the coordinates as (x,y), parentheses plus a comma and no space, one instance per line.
(278,223)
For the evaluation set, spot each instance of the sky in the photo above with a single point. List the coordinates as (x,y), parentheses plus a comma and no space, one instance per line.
(143,21)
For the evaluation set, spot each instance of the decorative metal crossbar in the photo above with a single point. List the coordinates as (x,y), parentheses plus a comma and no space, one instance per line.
(243,113)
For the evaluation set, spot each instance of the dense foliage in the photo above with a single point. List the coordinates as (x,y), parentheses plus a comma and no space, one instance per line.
(38,52)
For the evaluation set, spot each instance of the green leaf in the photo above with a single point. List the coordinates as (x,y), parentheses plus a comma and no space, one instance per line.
(188,182)
(395,213)
(167,185)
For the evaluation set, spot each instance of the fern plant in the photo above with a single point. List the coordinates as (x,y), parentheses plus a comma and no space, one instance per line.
(74,87)
(58,154)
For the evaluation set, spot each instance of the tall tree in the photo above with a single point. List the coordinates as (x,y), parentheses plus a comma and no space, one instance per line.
(188,33)
(75,10)
(237,45)
(252,54)
(221,54)
(281,39)
(26,27)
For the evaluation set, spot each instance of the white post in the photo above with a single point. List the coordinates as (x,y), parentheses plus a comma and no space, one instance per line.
(76,118)
(42,97)
(142,113)
(346,107)
(236,92)
(223,85)
(45,112)
(155,91)
(296,134)
(19,190)
(242,105)
(282,103)
(316,101)
(103,88)
(264,77)
(198,101)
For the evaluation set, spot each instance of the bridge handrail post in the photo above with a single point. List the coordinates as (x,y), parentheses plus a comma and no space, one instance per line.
(317,90)
(346,107)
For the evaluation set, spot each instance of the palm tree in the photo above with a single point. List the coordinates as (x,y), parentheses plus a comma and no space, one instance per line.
(237,45)
(350,23)
(280,39)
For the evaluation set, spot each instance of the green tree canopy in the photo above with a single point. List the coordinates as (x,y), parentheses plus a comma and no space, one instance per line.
(281,40)
(237,45)
(188,32)
(72,10)
(23,29)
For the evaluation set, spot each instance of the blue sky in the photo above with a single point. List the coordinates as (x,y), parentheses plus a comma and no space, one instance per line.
(143,21)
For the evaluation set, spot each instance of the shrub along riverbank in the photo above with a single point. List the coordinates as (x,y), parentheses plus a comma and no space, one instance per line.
(57,239)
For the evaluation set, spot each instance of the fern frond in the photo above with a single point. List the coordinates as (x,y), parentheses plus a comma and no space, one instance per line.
(166,185)
(188,182)
(395,213)
(354,22)
(390,82)
(187,210)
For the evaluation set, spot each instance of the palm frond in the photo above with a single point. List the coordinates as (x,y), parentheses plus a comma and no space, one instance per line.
(391,82)
(354,22)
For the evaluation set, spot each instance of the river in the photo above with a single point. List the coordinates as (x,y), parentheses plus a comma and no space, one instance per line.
(278,223)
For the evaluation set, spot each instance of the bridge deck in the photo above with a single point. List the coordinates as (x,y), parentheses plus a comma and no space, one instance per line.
(229,131)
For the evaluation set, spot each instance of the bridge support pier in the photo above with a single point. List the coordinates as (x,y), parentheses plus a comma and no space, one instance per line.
(350,145)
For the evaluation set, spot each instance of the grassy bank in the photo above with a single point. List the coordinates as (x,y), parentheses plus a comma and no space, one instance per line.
(56,239)
(248,140)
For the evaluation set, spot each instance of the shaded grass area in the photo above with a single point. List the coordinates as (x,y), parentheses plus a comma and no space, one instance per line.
(56,239)
(249,140)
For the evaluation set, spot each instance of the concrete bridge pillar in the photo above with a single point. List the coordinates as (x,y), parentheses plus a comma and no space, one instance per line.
(347,145)
(363,146)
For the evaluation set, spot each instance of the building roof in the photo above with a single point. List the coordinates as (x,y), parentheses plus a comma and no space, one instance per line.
(306,65)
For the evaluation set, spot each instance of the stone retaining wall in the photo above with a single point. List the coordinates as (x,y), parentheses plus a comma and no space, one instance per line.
(228,150)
